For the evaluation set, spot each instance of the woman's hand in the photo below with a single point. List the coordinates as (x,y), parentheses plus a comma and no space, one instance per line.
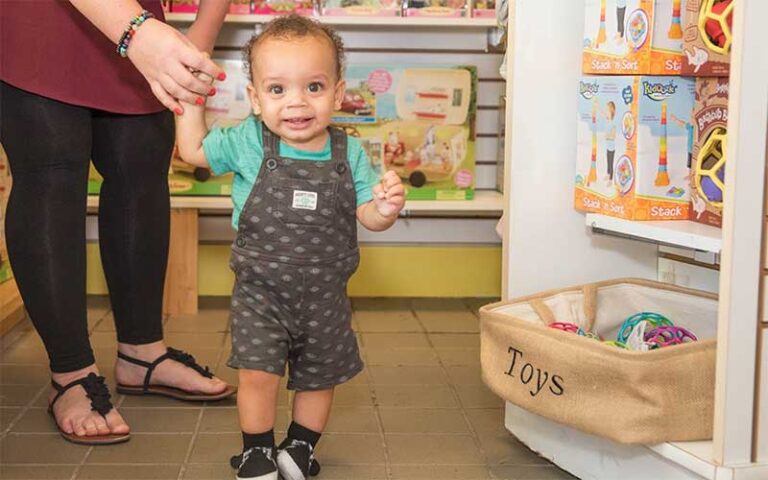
(166,59)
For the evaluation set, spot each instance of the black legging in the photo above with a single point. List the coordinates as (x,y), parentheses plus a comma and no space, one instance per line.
(49,145)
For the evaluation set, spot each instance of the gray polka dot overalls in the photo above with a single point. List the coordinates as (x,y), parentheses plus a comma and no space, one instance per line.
(295,250)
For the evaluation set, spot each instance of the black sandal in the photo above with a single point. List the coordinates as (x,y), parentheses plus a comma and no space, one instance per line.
(171,392)
(98,393)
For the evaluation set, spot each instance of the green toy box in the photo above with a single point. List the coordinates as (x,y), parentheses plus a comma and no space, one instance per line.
(418,122)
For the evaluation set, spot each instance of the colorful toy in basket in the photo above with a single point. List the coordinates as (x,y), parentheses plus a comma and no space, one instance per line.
(573,328)
(632,322)
(633,37)
(436,8)
(416,122)
(283,7)
(666,336)
(648,331)
(631,159)
(707,37)
(377,8)
(709,128)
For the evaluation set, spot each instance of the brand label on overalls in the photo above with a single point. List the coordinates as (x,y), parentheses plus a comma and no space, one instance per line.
(305,200)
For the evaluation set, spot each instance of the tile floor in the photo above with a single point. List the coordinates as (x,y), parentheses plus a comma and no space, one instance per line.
(418,411)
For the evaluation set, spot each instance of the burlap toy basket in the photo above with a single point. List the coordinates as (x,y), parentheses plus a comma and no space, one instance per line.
(626,396)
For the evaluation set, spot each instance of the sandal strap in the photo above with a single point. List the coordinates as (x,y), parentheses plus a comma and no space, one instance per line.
(171,354)
(95,389)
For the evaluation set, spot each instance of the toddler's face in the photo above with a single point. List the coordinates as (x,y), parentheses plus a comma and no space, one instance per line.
(295,89)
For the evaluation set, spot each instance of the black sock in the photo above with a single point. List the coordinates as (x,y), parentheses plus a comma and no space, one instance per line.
(266,439)
(298,432)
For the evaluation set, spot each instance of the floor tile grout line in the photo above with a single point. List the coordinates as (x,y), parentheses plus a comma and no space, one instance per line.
(190,448)
(457,397)
(24,411)
(379,421)
(80,466)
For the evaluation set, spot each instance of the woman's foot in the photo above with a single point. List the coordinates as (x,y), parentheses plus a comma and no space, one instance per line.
(169,373)
(73,410)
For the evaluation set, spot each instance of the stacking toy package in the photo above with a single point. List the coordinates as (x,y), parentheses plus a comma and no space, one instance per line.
(633,37)
(632,146)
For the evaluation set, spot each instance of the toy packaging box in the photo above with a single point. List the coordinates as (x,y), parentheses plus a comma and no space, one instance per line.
(283,7)
(182,6)
(632,146)
(228,107)
(5,190)
(418,122)
(633,37)
(376,8)
(436,8)
(707,38)
(710,118)
(484,8)
(241,7)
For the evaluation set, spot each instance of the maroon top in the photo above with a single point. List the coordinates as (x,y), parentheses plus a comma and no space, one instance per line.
(48,48)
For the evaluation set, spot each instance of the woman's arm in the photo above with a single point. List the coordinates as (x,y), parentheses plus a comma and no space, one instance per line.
(161,54)
(210,17)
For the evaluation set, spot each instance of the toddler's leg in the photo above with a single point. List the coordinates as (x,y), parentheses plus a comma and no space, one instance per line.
(256,406)
(257,400)
(311,410)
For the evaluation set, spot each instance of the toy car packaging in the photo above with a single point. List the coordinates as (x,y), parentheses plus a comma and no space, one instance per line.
(418,122)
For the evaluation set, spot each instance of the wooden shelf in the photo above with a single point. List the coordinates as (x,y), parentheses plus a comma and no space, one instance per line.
(679,233)
(363,21)
(486,203)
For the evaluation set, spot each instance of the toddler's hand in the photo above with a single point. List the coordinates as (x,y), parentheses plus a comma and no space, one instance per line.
(389,195)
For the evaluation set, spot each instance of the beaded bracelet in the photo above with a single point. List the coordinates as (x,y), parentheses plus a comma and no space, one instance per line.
(125,39)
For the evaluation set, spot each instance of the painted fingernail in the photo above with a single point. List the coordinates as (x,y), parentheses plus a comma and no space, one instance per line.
(199,101)
(178,111)
(222,76)
(212,92)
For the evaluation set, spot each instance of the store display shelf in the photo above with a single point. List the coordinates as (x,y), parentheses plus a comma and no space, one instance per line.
(485,203)
(356,21)
(680,233)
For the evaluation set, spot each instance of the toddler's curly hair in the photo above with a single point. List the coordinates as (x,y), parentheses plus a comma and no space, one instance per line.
(291,27)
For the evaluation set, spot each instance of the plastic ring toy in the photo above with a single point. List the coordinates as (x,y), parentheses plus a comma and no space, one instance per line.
(666,336)
(614,343)
(655,319)
(710,168)
(567,327)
